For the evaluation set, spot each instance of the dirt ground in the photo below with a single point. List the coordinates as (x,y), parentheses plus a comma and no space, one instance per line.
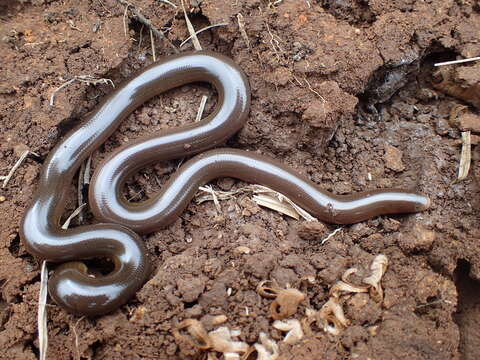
(342,90)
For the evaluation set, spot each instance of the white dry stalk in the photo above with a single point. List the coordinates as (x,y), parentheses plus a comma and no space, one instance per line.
(274,3)
(70,218)
(19,162)
(241,27)
(332,234)
(74,329)
(83,179)
(42,302)
(81,174)
(200,31)
(125,20)
(282,199)
(275,204)
(201,108)
(86,174)
(72,25)
(274,42)
(169,3)
(88,79)
(42,312)
(152,44)
(457,61)
(267,198)
(466,156)
(213,193)
(191,30)
(222,195)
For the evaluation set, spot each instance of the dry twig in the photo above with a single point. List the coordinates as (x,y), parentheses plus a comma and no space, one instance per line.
(142,19)
(191,30)
(200,31)
(201,108)
(88,79)
(74,213)
(152,43)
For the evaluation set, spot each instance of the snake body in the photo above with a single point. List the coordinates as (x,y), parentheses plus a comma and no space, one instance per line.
(116,237)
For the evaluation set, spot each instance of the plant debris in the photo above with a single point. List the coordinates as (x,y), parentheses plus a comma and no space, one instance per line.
(286,300)
(263,196)
(220,340)
(19,162)
(293,329)
(378,267)
(267,349)
(331,318)
(465,157)
(42,312)
(197,335)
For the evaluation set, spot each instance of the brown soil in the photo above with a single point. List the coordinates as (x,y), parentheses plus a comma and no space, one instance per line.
(341,91)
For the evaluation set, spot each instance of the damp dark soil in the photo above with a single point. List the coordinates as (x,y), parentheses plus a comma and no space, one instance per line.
(342,90)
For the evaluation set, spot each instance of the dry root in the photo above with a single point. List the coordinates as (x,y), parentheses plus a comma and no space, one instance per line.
(286,300)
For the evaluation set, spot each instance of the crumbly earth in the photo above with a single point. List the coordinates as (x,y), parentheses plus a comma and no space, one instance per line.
(341,91)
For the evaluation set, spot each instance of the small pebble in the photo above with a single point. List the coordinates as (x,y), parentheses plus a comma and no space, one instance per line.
(393,158)
(2,198)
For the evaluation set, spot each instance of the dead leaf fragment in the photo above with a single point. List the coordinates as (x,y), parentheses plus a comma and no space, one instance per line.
(267,349)
(222,340)
(466,156)
(197,335)
(378,267)
(292,327)
(332,316)
(286,300)
(344,286)
(286,303)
